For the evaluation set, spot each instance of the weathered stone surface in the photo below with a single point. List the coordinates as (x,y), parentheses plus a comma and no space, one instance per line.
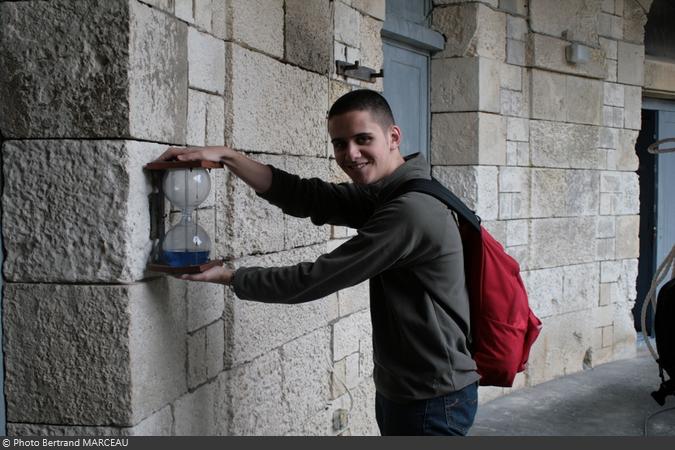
(101,355)
(561,347)
(30,429)
(259,24)
(516,28)
(158,75)
(195,412)
(347,22)
(566,98)
(256,327)
(75,85)
(309,40)
(549,92)
(196,358)
(465,84)
(624,198)
(185,10)
(215,348)
(612,116)
(632,113)
(546,52)
(262,91)
(205,303)
(517,232)
(86,218)
(614,94)
(634,21)
(659,76)
(158,424)
(514,192)
(475,185)
(206,61)
(554,144)
(610,26)
(305,367)
(467,138)
(517,129)
(626,156)
(205,119)
(346,334)
(556,242)
(471,30)
(547,188)
(511,77)
(630,64)
(516,52)
(371,53)
(627,241)
(610,48)
(353,299)
(575,19)
(582,193)
(374,8)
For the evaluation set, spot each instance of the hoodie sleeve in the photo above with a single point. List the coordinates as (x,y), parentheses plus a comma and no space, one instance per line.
(384,241)
(323,202)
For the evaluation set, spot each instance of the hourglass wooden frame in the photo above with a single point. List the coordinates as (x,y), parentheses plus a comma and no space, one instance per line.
(158,215)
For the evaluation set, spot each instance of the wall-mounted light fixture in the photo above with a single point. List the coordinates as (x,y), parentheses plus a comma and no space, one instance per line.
(576,53)
(186,247)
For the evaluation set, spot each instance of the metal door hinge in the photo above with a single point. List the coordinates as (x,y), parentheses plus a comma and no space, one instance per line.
(354,70)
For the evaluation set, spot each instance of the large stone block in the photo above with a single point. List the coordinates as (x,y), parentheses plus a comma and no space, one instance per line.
(546,52)
(562,348)
(627,240)
(347,334)
(195,412)
(545,291)
(371,52)
(205,303)
(549,92)
(575,19)
(555,144)
(258,24)
(547,188)
(255,328)
(158,75)
(206,58)
(582,193)
(467,138)
(631,63)
(566,98)
(475,185)
(347,22)
(262,91)
(634,21)
(514,192)
(106,355)
(206,122)
(471,30)
(309,40)
(87,217)
(632,113)
(465,84)
(659,76)
(562,241)
(374,8)
(625,156)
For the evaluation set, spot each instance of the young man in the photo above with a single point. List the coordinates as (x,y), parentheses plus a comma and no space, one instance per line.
(408,247)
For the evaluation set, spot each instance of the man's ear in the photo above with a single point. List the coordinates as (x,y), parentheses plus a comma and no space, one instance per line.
(395,136)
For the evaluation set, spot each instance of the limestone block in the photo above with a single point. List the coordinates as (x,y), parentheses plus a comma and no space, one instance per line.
(608,138)
(165,5)
(194,412)
(353,299)
(366,364)
(545,291)
(561,348)
(471,30)
(614,94)
(256,327)
(659,75)
(514,192)
(610,271)
(554,144)
(549,92)
(610,26)
(634,21)
(612,116)
(102,354)
(185,10)
(580,287)
(371,52)
(627,201)
(475,185)
(308,34)
(61,234)
(626,155)
(582,193)
(374,8)
(215,348)
(219,18)
(575,19)
(465,84)
(516,28)
(205,119)
(632,113)
(347,22)
(627,242)
(338,383)
(606,227)
(497,229)
(203,13)
(548,188)
(206,61)
(301,231)
(511,77)
(75,85)
(517,129)
(516,103)
(630,63)
(258,24)
(584,100)
(159,423)
(517,232)
(467,138)
(263,90)
(205,303)
(196,361)
(346,334)
(548,53)
(607,6)
(516,52)
(561,241)
(629,277)
(362,420)
(612,70)
(610,48)
(252,398)
(305,367)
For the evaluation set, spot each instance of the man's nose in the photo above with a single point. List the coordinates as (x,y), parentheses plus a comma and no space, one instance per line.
(353,151)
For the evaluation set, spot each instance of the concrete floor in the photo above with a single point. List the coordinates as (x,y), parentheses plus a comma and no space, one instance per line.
(609,400)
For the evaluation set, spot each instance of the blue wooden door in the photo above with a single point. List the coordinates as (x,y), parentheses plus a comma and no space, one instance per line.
(665,190)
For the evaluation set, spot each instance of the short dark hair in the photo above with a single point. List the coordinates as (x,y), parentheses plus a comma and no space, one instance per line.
(364,100)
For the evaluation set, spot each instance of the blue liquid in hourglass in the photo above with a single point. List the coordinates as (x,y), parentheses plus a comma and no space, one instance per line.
(180,259)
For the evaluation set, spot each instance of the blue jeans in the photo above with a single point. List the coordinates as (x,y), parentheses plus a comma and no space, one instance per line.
(448,415)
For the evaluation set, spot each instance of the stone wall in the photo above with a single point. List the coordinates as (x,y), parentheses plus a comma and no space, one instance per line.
(92,90)
(95,344)
(544,150)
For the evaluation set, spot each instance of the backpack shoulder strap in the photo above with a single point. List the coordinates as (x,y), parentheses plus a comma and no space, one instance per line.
(435,189)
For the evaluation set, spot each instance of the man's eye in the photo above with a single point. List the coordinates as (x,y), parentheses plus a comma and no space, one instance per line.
(338,145)
(363,139)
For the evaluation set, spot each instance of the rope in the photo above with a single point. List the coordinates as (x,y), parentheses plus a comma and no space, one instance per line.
(654,148)
(650,299)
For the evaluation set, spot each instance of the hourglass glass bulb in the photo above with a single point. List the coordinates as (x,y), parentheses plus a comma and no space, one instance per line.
(187,188)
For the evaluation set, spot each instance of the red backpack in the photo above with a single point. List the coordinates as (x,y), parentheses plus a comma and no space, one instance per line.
(503,327)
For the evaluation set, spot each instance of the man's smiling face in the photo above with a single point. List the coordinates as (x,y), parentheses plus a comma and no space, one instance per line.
(363,149)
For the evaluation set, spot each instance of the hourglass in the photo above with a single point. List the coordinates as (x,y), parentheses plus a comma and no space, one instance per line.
(186,247)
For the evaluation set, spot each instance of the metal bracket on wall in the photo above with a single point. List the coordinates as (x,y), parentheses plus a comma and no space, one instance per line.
(354,70)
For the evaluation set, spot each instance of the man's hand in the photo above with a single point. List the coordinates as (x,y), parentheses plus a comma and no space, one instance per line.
(218,274)
(213,153)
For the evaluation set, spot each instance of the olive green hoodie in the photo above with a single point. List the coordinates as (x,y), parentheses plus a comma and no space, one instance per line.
(410,250)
